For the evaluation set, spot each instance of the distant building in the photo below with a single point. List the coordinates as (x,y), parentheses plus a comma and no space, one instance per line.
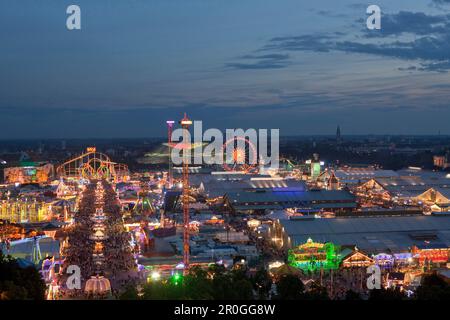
(404,188)
(356,258)
(437,198)
(354,176)
(442,161)
(262,200)
(29,172)
(315,166)
(338,135)
(328,180)
(372,235)
(218,188)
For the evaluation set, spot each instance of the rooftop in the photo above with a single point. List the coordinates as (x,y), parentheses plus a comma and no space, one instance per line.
(372,234)
(267,196)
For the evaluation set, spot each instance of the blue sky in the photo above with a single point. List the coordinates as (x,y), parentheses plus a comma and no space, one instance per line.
(301,66)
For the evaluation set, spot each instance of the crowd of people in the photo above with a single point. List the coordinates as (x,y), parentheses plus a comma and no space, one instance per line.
(98,243)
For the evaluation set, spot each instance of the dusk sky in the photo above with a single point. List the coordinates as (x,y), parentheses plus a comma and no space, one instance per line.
(301,66)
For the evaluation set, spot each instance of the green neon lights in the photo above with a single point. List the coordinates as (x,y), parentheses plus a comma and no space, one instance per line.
(313,256)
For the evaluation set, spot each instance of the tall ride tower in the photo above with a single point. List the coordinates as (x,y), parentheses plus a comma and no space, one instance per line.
(185,123)
(169,144)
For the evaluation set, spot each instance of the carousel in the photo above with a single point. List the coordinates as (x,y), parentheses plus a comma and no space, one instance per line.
(97,286)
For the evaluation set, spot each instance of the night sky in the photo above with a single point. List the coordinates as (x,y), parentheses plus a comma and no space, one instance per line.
(301,66)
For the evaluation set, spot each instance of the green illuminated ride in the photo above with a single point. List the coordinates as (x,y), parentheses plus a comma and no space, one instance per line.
(313,256)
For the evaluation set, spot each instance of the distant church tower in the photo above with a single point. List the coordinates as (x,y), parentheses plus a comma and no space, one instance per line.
(338,135)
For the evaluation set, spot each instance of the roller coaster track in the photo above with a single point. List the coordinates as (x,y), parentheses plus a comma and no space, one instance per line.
(92,165)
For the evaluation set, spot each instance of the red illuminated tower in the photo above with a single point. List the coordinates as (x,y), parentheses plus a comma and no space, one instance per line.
(169,144)
(185,123)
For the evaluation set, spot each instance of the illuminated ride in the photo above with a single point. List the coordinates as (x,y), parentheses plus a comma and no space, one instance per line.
(93,165)
(34,243)
(169,143)
(145,203)
(288,164)
(50,271)
(179,148)
(98,286)
(313,256)
(243,157)
(185,123)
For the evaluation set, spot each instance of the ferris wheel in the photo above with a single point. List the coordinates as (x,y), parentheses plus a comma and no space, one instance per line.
(240,155)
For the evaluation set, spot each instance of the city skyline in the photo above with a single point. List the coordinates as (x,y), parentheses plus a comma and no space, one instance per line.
(303,68)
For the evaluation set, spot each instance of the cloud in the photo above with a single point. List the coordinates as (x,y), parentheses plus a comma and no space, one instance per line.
(316,42)
(329,13)
(410,68)
(417,23)
(443,66)
(429,47)
(264,61)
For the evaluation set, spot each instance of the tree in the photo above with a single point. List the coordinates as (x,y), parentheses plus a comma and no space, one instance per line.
(290,287)
(316,292)
(163,290)
(433,287)
(241,285)
(10,291)
(197,284)
(262,283)
(243,290)
(352,295)
(386,294)
(18,283)
(230,286)
(215,283)
(130,293)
